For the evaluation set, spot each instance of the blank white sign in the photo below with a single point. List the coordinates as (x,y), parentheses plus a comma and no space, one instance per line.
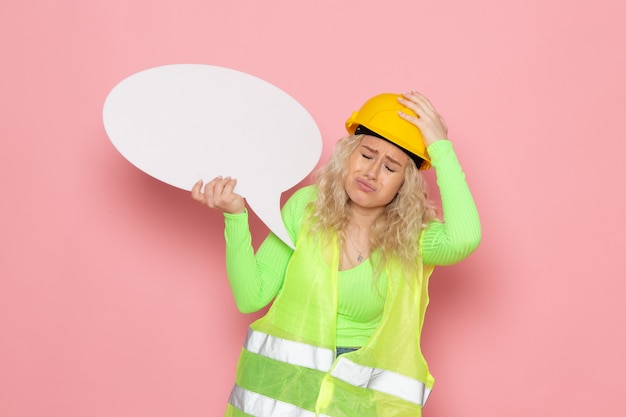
(185,122)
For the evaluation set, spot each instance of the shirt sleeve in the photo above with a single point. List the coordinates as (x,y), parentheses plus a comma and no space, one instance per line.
(458,235)
(255,279)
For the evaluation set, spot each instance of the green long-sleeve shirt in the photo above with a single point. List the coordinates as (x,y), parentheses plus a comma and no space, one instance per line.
(256,279)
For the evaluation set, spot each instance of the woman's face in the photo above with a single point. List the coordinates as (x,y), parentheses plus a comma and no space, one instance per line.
(376,173)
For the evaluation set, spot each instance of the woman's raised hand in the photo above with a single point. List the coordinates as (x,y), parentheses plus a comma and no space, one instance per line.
(429,121)
(218,194)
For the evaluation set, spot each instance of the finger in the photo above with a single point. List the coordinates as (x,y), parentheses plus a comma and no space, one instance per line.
(426,122)
(209,192)
(418,114)
(196,194)
(408,117)
(230,186)
(218,186)
(412,103)
(420,100)
(444,124)
(423,99)
(222,194)
(211,184)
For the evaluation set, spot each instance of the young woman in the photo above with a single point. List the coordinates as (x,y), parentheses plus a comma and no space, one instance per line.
(342,337)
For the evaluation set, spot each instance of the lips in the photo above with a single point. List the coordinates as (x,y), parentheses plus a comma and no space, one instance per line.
(365,186)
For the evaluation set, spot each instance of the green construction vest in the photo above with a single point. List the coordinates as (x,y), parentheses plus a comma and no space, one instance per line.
(288,367)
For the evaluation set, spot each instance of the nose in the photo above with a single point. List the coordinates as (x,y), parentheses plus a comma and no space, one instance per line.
(371,171)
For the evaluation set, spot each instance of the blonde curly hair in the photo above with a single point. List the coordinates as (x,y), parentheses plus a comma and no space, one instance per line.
(396,231)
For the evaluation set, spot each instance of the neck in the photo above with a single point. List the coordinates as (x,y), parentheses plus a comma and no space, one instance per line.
(362,219)
(356,238)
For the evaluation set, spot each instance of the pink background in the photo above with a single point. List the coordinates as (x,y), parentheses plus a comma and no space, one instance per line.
(113,297)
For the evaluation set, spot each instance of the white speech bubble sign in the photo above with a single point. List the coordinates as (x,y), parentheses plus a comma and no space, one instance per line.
(184,122)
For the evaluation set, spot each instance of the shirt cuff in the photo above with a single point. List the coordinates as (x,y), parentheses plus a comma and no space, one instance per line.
(439,149)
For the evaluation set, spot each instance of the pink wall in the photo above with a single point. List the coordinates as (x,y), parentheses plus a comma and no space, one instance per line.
(113,298)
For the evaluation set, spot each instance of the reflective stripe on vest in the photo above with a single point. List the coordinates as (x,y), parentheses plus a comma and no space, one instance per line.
(259,405)
(321,359)
(389,382)
(288,351)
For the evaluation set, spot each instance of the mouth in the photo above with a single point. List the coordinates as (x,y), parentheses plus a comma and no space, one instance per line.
(365,186)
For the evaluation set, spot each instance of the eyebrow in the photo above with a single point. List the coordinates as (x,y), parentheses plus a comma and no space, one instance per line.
(390,159)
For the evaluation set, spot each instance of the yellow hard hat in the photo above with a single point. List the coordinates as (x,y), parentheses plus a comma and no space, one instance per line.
(379,114)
